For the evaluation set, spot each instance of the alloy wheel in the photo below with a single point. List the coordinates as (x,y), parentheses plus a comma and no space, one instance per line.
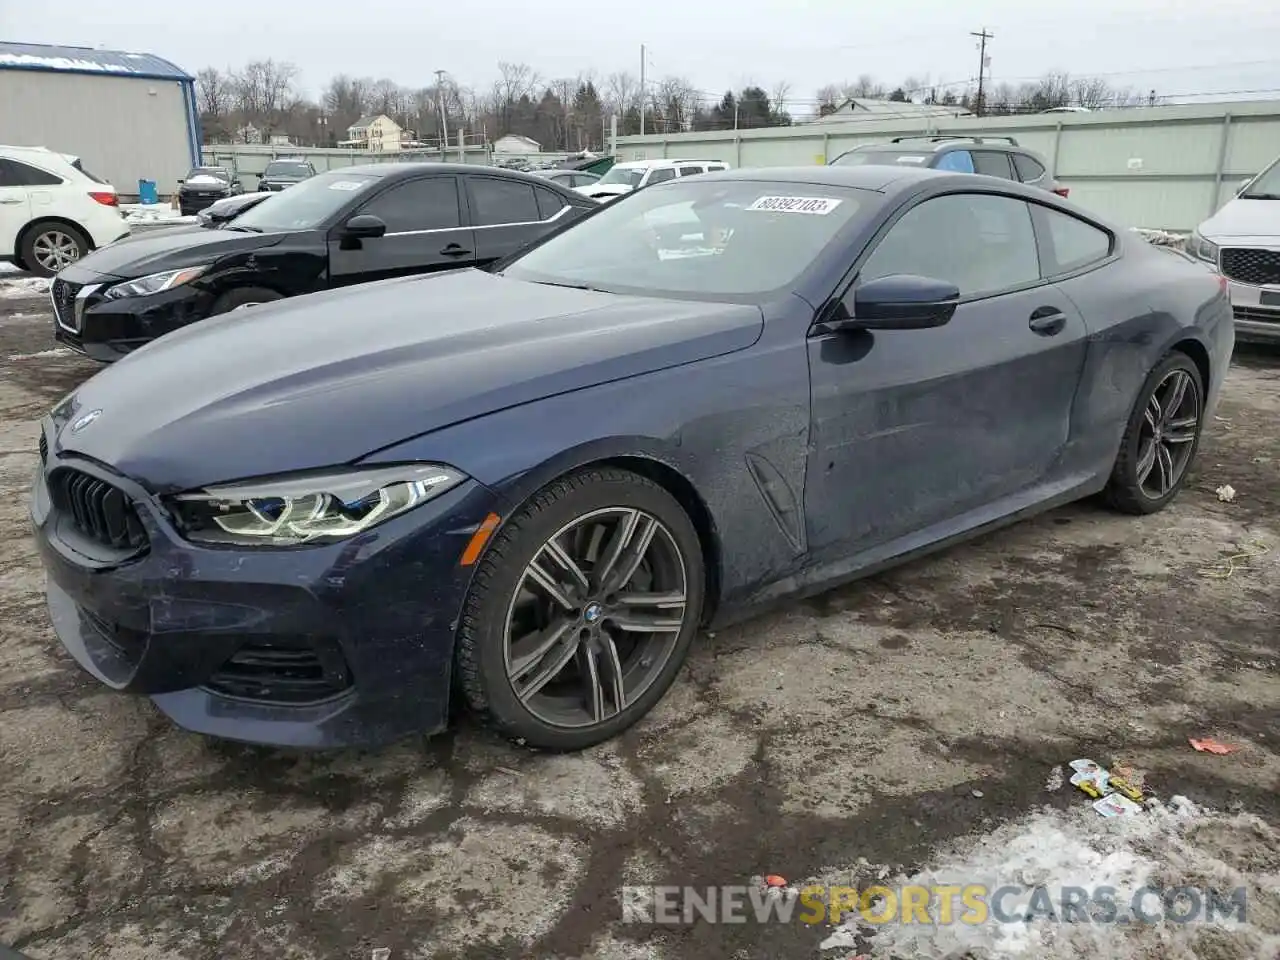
(1166,441)
(54,250)
(595,617)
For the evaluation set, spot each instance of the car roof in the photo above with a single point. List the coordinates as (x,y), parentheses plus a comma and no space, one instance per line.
(940,145)
(406,168)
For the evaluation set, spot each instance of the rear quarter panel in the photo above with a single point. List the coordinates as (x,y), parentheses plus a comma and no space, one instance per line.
(1137,309)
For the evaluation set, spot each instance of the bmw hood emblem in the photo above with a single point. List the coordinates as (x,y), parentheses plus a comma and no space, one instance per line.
(84,421)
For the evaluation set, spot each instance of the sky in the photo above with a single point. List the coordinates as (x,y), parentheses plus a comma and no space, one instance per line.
(1177,47)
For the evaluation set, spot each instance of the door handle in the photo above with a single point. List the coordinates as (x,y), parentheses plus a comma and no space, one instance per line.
(1047,321)
(455,250)
(11,200)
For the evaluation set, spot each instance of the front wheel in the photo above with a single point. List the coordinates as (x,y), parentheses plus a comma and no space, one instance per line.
(1161,438)
(49,247)
(582,611)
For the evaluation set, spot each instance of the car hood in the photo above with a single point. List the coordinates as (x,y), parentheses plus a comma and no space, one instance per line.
(328,378)
(167,249)
(1248,220)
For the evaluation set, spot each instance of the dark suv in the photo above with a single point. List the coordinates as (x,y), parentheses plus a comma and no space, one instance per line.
(992,156)
(284,173)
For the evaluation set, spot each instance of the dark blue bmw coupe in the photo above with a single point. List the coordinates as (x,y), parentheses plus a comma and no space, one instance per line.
(307,523)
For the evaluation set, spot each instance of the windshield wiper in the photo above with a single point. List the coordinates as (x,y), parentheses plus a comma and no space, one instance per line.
(241,228)
(1260,196)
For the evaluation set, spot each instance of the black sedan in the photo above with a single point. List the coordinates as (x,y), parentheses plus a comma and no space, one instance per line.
(204,186)
(335,229)
(535,485)
(282,174)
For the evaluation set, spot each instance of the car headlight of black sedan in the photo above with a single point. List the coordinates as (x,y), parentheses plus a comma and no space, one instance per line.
(308,508)
(155,283)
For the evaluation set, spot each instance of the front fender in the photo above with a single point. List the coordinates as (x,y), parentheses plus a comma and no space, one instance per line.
(735,427)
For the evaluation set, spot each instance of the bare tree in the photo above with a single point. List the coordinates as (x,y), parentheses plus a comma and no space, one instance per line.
(865,88)
(778,95)
(213,92)
(672,103)
(622,92)
(1094,92)
(829,98)
(263,89)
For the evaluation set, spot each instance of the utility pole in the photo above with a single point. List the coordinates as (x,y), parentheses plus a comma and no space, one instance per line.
(983,37)
(643,58)
(444,121)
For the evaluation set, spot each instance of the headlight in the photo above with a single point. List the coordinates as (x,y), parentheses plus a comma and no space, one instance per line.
(309,508)
(1199,247)
(155,283)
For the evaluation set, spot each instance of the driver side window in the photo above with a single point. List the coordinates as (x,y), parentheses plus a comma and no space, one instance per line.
(983,243)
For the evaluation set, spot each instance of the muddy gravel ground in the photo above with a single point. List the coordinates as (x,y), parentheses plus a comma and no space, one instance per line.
(879,729)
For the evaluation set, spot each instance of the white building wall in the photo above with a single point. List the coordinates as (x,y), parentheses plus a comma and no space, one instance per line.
(123,128)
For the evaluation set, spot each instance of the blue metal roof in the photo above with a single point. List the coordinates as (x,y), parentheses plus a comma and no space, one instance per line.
(39,56)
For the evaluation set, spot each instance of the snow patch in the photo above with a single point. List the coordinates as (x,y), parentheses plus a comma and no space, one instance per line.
(61,63)
(16,288)
(1164,847)
(42,354)
(135,213)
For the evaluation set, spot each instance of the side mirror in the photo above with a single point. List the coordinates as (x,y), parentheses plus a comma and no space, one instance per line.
(900,302)
(181,180)
(364,226)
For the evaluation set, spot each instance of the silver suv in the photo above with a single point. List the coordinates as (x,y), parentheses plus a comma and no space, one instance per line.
(992,156)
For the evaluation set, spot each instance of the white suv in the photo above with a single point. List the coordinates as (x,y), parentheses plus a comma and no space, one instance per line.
(622,178)
(53,211)
(1242,242)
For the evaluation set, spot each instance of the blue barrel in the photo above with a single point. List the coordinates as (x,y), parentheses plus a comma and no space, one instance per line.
(147,192)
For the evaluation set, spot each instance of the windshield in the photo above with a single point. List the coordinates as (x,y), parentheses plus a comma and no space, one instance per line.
(206,174)
(286,168)
(624,176)
(880,157)
(735,240)
(1266,186)
(306,206)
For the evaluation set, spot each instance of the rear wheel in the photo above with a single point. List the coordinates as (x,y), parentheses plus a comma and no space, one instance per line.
(582,611)
(1161,439)
(49,247)
(243,297)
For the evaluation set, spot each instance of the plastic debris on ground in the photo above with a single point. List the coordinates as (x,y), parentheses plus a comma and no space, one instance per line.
(381,953)
(1226,493)
(1055,781)
(1114,795)
(1210,745)
(1223,569)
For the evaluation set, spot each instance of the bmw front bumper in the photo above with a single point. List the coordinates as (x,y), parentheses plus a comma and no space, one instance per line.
(326,646)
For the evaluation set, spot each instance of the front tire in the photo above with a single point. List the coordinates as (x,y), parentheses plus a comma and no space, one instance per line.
(1161,439)
(582,611)
(243,297)
(49,247)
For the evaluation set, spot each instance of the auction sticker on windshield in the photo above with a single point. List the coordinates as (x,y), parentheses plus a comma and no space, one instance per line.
(346,185)
(818,206)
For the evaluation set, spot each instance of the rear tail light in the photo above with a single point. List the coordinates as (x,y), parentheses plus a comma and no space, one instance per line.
(1062,191)
(106,199)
